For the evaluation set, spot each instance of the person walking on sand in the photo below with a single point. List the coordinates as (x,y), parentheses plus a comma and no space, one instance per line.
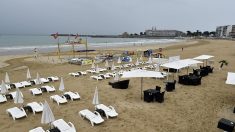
(35,53)
(182,49)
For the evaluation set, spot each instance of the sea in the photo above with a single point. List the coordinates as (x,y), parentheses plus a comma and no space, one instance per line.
(26,44)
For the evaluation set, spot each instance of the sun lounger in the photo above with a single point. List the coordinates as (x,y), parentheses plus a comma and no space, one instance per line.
(109,111)
(105,76)
(72,95)
(13,95)
(62,126)
(44,80)
(7,86)
(74,74)
(96,77)
(38,129)
(53,78)
(58,99)
(36,91)
(91,71)
(3,98)
(17,85)
(48,88)
(82,72)
(35,107)
(16,113)
(94,118)
(111,74)
(26,84)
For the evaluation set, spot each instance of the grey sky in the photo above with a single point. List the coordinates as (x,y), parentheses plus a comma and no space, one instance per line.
(112,16)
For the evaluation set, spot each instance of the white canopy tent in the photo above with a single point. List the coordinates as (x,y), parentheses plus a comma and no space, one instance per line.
(28,75)
(203,57)
(141,74)
(181,63)
(18,98)
(230,78)
(4,89)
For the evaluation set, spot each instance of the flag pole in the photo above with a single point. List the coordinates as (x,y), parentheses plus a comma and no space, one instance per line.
(58,43)
(86,47)
(73,50)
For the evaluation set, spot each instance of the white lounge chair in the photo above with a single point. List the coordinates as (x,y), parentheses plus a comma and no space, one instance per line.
(36,107)
(74,74)
(44,80)
(3,98)
(82,72)
(63,126)
(38,129)
(96,77)
(94,118)
(7,86)
(105,76)
(91,71)
(17,85)
(13,94)
(59,99)
(35,91)
(109,111)
(48,88)
(72,95)
(26,84)
(53,78)
(111,74)
(16,113)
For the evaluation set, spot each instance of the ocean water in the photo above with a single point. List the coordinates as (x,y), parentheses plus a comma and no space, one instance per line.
(25,44)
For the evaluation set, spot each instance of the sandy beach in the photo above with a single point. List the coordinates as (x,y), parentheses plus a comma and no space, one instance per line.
(188,108)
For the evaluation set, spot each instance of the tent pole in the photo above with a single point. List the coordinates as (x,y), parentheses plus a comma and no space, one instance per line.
(141,88)
(168,74)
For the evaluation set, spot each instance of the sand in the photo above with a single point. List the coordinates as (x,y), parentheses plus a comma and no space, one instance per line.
(188,108)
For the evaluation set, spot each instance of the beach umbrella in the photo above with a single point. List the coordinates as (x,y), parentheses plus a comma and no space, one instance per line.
(47,115)
(130,59)
(230,78)
(7,80)
(61,87)
(157,68)
(38,80)
(18,98)
(28,75)
(137,62)
(113,67)
(97,69)
(106,63)
(150,61)
(116,78)
(96,97)
(119,60)
(4,89)
(141,58)
(141,74)
(93,65)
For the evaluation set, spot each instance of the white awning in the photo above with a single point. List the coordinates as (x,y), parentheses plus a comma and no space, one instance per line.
(203,57)
(230,78)
(142,73)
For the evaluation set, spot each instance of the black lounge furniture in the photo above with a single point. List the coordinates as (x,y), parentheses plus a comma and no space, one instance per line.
(172,70)
(190,80)
(120,84)
(170,85)
(152,95)
(226,125)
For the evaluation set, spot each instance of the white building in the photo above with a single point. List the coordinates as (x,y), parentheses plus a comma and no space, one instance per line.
(163,33)
(225,31)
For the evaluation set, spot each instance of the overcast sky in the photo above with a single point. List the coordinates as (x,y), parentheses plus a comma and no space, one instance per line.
(112,16)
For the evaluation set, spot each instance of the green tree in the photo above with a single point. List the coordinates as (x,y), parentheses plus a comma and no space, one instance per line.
(222,63)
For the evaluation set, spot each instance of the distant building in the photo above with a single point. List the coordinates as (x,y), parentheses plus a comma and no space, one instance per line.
(163,33)
(227,31)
